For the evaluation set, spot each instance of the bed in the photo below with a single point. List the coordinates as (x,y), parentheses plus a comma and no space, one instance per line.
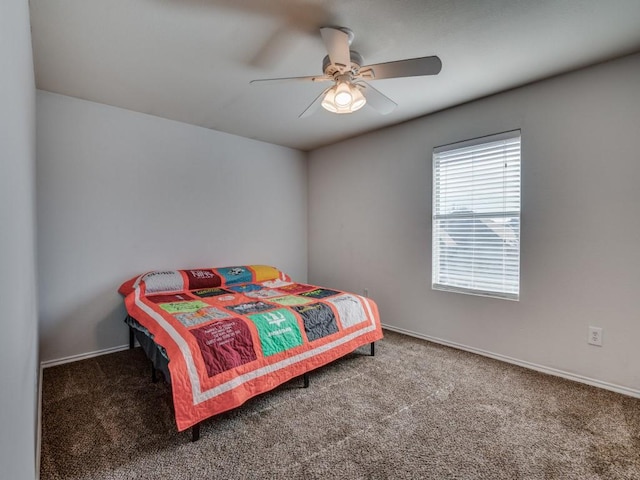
(223,335)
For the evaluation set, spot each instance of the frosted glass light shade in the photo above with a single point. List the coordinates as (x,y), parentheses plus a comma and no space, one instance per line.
(343,97)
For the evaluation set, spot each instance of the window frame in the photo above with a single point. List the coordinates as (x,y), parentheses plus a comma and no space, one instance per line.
(435,261)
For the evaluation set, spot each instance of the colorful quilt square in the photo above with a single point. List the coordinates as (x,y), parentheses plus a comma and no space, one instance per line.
(289,300)
(210,292)
(235,275)
(202,279)
(278,330)
(179,297)
(225,345)
(319,320)
(181,307)
(226,298)
(293,288)
(250,307)
(264,272)
(204,315)
(276,283)
(247,287)
(264,293)
(350,310)
(319,293)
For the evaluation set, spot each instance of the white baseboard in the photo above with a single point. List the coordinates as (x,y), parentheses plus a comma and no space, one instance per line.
(82,356)
(632,392)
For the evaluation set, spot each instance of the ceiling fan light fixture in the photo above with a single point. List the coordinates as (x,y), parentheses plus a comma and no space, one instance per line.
(328,102)
(344,97)
(359,99)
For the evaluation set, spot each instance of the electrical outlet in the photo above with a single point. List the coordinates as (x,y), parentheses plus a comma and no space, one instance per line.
(366,292)
(595,336)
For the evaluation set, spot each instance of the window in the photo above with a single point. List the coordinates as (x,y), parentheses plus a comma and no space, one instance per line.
(476,216)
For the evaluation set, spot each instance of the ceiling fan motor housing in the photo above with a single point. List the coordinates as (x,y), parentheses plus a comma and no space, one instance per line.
(333,70)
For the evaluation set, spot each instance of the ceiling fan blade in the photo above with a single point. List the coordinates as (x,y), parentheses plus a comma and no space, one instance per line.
(337,44)
(378,100)
(413,67)
(311,109)
(315,78)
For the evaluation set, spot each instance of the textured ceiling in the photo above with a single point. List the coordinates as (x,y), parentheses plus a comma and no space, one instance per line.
(192,60)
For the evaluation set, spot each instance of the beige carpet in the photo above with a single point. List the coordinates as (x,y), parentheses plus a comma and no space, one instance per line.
(415,410)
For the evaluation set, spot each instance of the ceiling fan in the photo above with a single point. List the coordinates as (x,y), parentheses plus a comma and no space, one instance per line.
(344,67)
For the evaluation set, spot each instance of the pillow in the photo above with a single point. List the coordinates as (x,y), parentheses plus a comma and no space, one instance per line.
(194,279)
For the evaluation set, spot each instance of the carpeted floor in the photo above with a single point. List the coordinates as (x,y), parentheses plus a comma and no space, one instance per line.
(415,410)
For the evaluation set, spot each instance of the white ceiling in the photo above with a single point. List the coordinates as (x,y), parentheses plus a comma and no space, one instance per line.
(192,60)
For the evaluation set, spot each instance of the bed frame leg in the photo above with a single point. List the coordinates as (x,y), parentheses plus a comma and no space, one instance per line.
(305,380)
(154,374)
(131,338)
(195,432)
(373,349)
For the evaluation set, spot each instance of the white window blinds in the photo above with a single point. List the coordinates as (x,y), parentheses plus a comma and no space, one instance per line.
(476,216)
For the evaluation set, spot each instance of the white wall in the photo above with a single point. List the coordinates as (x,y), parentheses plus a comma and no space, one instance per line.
(370,224)
(18,321)
(120,193)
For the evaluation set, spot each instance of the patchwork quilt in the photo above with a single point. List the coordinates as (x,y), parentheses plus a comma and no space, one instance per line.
(232,333)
